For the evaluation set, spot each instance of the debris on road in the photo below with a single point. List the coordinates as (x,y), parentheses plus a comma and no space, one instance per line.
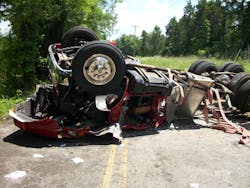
(37,155)
(16,174)
(77,160)
(194,185)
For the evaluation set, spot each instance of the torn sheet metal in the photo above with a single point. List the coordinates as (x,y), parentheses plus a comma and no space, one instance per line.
(114,129)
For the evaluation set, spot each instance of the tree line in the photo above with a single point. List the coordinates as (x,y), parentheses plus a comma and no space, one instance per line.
(210,28)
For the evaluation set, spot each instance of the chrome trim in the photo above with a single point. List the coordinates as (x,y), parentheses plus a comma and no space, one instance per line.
(56,67)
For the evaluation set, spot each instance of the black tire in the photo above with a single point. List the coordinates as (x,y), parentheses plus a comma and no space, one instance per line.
(238,80)
(110,68)
(195,64)
(223,66)
(205,67)
(236,68)
(235,84)
(243,96)
(78,35)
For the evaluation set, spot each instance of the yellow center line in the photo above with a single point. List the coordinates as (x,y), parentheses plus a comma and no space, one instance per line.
(109,168)
(123,168)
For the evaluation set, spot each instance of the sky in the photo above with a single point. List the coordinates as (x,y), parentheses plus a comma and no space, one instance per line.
(4,27)
(145,14)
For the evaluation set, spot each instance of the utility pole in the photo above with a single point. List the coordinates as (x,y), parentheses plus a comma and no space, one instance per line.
(135,27)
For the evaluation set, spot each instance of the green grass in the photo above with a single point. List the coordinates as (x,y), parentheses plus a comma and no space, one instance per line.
(6,104)
(183,63)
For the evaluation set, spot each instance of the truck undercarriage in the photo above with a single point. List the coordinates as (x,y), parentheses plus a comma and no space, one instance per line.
(95,89)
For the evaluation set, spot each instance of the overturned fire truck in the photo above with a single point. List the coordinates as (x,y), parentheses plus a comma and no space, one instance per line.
(95,89)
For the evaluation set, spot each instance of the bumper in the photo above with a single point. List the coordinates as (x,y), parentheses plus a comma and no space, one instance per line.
(50,128)
(21,114)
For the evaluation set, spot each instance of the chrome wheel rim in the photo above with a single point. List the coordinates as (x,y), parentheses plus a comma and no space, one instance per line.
(99,69)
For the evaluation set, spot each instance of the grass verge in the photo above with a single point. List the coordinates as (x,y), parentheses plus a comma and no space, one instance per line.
(6,104)
(183,63)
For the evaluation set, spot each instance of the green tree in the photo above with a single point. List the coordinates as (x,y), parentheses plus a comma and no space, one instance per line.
(201,27)
(235,24)
(129,43)
(246,28)
(144,44)
(157,41)
(186,26)
(172,38)
(218,28)
(36,24)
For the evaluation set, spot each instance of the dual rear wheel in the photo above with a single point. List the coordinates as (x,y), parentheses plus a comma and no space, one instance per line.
(201,66)
(231,67)
(239,84)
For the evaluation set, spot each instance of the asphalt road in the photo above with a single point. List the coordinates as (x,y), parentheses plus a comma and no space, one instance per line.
(189,156)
